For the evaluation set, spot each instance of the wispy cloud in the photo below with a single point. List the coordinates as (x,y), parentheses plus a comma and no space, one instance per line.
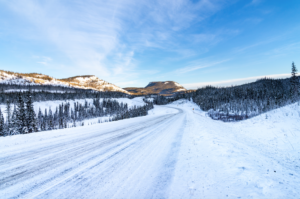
(42,59)
(196,66)
(102,37)
(283,50)
(231,82)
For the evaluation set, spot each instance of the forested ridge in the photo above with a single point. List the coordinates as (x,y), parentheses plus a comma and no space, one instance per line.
(244,101)
(39,96)
(248,100)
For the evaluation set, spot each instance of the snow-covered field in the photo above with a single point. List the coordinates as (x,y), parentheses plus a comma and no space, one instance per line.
(174,152)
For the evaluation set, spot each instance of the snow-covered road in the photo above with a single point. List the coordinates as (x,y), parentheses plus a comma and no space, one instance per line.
(124,159)
(178,153)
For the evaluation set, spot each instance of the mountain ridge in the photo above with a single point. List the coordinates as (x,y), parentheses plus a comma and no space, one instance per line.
(83,82)
(91,82)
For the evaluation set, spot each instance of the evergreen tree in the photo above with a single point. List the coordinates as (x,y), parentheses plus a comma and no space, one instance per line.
(30,115)
(2,130)
(11,127)
(50,118)
(294,82)
(8,114)
(40,120)
(46,122)
(20,121)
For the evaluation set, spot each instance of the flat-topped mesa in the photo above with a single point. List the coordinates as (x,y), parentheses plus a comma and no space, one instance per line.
(158,87)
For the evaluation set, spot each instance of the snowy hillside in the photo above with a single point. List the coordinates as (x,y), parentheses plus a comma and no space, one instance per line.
(93,82)
(28,79)
(256,158)
(177,151)
(82,82)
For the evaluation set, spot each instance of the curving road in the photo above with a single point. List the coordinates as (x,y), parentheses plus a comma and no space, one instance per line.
(136,158)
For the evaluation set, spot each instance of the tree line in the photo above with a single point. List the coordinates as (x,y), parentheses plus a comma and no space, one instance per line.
(248,100)
(50,96)
(22,119)
(135,112)
(7,86)
(244,101)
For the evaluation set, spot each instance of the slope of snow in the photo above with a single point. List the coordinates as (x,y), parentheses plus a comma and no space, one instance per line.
(177,84)
(93,82)
(13,79)
(181,89)
(256,158)
(174,152)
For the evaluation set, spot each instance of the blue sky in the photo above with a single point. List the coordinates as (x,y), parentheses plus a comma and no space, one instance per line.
(131,42)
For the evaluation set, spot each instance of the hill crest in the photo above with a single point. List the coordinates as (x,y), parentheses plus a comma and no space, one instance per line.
(157,87)
(83,82)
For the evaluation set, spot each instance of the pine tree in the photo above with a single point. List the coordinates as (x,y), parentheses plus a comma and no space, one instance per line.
(2,130)
(40,120)
(30,115)
(46,121)
(11,127)
(20,121)
(8,114)
(294,82)
(50,118)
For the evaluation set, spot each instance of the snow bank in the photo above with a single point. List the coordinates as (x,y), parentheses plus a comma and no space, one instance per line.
(255,158)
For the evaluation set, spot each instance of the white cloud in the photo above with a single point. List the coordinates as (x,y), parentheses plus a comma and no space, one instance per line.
(102,37)
(42,59)
(233,81)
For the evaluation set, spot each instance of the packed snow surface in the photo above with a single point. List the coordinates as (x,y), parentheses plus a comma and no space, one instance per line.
(174,152)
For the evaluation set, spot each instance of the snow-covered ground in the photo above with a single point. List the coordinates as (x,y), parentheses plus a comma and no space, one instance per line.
(174,152)
(256,158)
